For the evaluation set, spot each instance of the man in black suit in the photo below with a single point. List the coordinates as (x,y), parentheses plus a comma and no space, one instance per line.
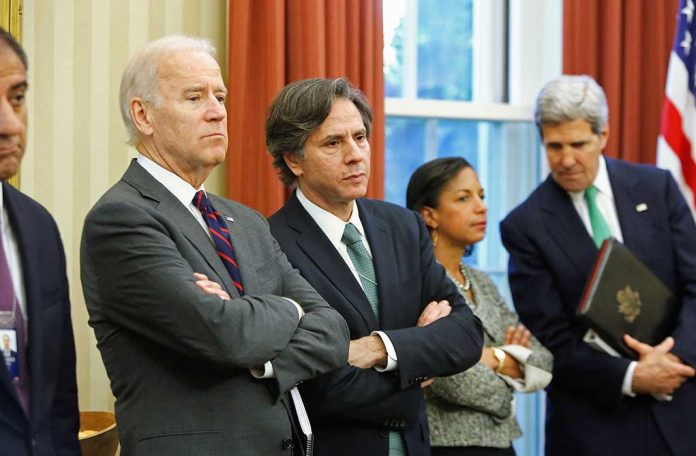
(373,262)
(38,407)
(600,404)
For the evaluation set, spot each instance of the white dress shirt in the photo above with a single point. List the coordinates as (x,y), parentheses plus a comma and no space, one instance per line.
(333,227)
(14,260)
(607,207)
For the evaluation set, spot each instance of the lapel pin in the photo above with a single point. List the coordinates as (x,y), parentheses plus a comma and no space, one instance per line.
(641,207)
(229,219)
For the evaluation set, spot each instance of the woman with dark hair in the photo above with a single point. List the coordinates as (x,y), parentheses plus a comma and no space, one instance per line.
(472,413)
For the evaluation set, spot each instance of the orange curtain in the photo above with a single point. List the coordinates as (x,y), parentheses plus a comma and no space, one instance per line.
(275,42)
(625,46)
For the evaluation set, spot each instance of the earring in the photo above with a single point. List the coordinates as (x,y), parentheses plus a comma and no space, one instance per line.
(434,236)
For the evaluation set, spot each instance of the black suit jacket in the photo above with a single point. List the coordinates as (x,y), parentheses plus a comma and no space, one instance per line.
(353,409)
(53,421)
(551,256)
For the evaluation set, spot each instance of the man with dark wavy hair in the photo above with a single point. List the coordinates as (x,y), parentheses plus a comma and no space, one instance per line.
(373,262)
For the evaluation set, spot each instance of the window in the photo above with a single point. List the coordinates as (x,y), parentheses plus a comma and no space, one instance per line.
(460,79)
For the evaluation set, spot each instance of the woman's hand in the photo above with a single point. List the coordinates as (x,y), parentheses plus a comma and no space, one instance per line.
(517,335)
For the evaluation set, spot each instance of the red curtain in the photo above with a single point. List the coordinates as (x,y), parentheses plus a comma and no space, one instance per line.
(625,46)
(275,42)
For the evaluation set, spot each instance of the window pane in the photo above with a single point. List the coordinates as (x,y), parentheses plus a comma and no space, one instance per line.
(428,49)
(445,49)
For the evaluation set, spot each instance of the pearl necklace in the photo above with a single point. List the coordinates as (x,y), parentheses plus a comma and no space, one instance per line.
(466,286)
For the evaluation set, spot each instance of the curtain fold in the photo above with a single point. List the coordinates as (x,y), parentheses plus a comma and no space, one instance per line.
(275,42)
(625,46)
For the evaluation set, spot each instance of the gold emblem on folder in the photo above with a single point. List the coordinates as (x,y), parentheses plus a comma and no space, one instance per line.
(629,303)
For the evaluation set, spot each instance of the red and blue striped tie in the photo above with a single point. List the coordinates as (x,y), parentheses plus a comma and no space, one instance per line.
(221,238)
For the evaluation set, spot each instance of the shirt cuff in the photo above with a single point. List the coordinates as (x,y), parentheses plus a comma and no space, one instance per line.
(266,371)
(300,311)
(534,379)
(627,386)
(392,362)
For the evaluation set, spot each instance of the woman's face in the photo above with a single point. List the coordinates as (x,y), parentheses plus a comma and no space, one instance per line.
(461,213)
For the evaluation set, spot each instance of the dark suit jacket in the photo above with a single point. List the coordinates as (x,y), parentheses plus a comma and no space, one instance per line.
(353,409)
(551,256)
(53,421)
(178,359)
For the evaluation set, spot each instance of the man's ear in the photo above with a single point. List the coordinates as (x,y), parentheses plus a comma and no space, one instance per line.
(604,137)
(142,116)
(429,214)
(293,162)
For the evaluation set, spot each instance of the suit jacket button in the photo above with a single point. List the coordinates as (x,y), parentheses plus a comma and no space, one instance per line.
(287,443)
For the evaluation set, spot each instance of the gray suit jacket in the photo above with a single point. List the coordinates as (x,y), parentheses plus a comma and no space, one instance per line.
(178,359)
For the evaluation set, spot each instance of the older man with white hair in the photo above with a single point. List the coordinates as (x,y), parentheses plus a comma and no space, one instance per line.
(600,404)
(203,325)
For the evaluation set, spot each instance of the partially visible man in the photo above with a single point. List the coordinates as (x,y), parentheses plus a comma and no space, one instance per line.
(188,292)
(38,399)
(374,263)
(599,404)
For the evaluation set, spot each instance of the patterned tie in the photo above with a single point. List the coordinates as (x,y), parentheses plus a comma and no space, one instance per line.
(221,238)
(600,228)
(14,320)
(366,271)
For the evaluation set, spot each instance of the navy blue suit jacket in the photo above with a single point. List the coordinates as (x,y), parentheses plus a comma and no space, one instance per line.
(551,256)
(352,409)
(53,421)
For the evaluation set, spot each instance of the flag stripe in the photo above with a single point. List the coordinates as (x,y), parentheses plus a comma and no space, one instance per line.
(678,125)
(679,143)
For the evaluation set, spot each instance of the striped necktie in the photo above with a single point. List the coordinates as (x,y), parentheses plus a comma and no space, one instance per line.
(600,228)
(12,318)
(221,238)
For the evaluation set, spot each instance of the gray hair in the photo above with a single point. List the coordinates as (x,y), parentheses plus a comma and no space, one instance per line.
(299,109)
(571,97)
(140,76)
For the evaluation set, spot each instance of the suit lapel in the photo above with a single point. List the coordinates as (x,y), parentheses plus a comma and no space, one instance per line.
(566,227)
(150,188)
(323,254)
(628,194)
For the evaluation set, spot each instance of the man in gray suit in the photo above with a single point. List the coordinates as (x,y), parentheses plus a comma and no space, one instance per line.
(203,325)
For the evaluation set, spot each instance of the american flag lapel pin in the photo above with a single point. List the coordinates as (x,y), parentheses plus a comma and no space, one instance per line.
(641,207)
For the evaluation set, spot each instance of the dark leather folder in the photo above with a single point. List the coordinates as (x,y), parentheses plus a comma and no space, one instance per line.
(623,296)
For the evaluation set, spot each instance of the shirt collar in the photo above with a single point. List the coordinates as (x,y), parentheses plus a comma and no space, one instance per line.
(601,182)
(182,190)
(331,225)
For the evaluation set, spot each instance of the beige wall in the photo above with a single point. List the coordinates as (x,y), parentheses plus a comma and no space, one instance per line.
(77,50)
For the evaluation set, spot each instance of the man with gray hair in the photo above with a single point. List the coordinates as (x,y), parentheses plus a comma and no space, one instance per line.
(374,263)
(204,327)
(599,404)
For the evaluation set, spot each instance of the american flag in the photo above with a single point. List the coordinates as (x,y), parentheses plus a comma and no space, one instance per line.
(678,127)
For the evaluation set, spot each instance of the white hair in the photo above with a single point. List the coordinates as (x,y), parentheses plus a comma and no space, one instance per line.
(571,97)
(140,76)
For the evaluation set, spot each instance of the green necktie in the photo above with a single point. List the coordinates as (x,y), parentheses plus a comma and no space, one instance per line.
(600,228)
(363,264)
(366,271)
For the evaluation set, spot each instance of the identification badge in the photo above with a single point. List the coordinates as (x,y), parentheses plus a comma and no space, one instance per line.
(8,341)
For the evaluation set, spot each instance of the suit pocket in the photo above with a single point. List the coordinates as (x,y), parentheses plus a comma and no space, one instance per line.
(205,443)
